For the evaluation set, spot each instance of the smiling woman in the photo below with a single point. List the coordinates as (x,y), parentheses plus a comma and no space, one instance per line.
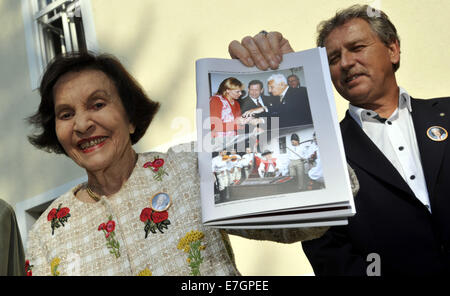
(93,111)
(225,111)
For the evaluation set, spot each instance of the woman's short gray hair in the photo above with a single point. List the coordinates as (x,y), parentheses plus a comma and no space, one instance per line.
(377,19)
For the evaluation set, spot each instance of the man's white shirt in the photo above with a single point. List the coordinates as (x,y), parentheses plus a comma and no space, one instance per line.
(246,158)
(302,151)
(396,139)
(219,165)
(257,100)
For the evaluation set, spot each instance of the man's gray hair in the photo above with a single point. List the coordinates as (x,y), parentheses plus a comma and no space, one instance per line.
(377,19)
(277,78)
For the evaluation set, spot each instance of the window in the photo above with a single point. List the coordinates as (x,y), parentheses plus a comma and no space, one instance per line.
(53,27)
(60,28)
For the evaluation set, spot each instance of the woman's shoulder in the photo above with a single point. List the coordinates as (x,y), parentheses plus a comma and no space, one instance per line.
(179,154)
(215,98)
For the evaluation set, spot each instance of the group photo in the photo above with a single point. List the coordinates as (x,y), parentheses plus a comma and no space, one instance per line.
(263,135)
(290,163)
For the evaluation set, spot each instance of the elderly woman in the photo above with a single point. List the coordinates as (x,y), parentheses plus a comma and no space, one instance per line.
(93,111)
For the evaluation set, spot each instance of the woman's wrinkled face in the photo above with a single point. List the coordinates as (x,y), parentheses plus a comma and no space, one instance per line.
(90,121)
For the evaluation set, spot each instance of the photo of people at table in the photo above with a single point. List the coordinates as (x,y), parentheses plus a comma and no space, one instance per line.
(291,163)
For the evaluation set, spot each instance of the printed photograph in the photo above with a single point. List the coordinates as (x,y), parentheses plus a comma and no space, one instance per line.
(263,135)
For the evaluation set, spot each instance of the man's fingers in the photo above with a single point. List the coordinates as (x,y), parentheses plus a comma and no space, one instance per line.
(255,53)
(246,114)
(279,44)
(238,51)
(274,39)
(263,50)
(285,46)
(266,50)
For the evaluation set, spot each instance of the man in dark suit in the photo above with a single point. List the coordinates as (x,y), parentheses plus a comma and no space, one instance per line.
(402,221)
(293,81)
(291,107)
(294,105)
(256,98)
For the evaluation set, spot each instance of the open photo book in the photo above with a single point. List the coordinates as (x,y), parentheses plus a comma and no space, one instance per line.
(269,145)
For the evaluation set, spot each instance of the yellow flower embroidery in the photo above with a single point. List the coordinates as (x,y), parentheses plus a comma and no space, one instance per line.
(191,244)
(145,272)
(54,266)
(190,237)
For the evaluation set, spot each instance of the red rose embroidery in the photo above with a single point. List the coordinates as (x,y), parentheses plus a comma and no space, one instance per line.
(111,242)
(154,220)
(28,268)
(146,214)
(110,226)
(102,227)
(157,163)
(51,215)
(58,217)
(157,167)
(62,213)
(158,217)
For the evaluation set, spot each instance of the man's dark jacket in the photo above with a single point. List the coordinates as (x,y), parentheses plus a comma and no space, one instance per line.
(390,221)
(293,109)
(248,104)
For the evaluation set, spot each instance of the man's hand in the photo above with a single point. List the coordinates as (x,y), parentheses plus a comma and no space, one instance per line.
(253,111)
(263,50)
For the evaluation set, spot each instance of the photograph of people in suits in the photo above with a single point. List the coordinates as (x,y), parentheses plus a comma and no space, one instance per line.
(242,127)
(292,107)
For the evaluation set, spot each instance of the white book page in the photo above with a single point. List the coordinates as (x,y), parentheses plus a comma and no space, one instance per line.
(312,67)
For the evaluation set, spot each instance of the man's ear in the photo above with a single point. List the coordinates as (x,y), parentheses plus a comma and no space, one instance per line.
(394,52)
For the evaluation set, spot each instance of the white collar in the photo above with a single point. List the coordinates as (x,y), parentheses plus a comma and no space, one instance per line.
(360,114)
(258,99)
(284,92)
